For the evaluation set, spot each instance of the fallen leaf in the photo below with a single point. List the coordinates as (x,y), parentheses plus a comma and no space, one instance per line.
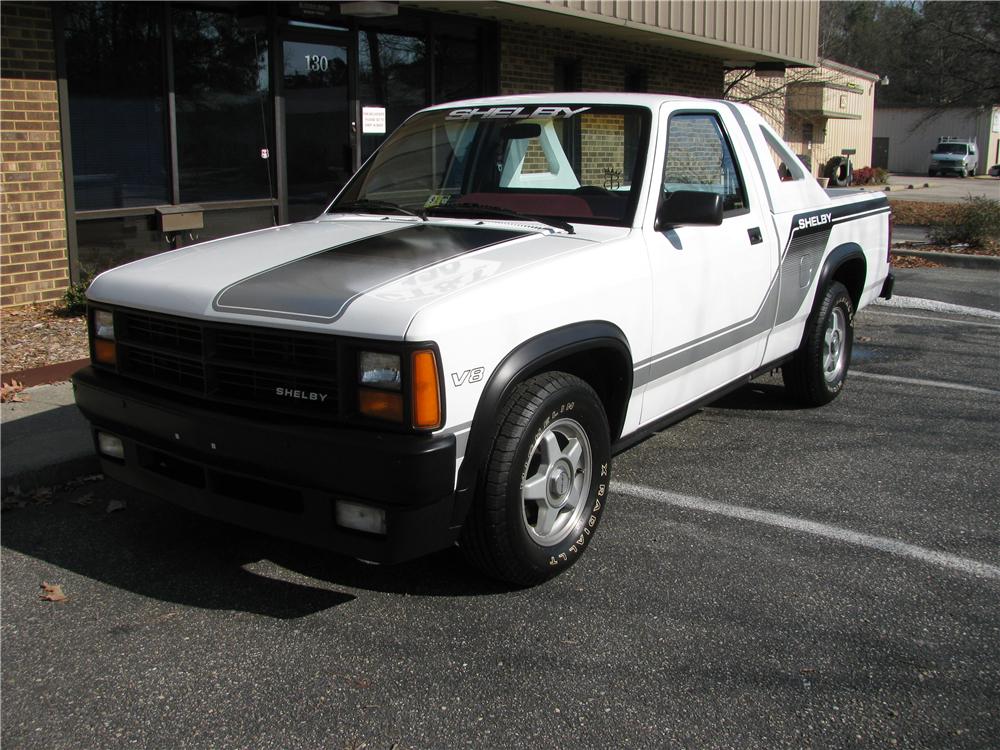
(11,391)
(82,480)
(52,592)
(86,499)
(115,505)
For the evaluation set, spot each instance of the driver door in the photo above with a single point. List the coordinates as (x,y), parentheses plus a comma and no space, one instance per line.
(711,284)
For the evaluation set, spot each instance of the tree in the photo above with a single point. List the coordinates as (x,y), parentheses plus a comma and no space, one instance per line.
(936,54)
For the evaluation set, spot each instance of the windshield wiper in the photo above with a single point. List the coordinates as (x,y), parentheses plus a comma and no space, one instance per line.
(479,209)
(376,206)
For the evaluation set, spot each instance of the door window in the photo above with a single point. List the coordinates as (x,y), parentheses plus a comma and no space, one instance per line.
(699,158)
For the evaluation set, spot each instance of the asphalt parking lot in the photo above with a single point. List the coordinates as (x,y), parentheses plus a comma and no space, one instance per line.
(765,577)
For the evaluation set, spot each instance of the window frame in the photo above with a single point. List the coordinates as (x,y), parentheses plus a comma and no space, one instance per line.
(717,116)
(643,113)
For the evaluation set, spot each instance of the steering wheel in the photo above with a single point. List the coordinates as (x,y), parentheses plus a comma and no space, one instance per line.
(592,190)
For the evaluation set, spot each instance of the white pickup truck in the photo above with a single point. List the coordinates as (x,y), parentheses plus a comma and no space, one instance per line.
(509,292)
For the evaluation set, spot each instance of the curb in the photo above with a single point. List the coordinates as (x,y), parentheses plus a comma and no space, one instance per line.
(51,475)
(953,260)
(45,374)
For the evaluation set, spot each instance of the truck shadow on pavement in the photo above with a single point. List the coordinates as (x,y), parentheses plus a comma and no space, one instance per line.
(758,397)
(157,550)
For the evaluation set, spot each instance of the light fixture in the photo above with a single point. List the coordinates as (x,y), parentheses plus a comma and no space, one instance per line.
(369,9)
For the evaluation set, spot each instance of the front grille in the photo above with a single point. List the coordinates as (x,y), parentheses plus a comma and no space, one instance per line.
(262,368)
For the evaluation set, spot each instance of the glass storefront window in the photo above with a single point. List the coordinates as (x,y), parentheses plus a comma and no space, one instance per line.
(457,70)
(114,72)
(226,223)
(106,243)
(223,105)
(393,74)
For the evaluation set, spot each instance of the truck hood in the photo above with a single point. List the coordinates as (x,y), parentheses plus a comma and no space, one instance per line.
(349,275)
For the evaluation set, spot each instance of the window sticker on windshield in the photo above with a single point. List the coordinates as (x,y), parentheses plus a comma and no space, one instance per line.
(514,113)
(437,200)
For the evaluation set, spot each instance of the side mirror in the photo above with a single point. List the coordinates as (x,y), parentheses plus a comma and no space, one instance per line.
(689,207)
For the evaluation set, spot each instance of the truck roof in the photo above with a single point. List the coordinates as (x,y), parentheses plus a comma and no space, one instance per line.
(578,97)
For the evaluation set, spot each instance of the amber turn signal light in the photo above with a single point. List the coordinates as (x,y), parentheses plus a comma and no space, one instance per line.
(426,390)
(105,352)
(380,404)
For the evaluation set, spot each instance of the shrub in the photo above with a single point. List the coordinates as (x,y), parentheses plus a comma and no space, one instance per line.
(75,296)
(976,223)
(862,176)
(870,176)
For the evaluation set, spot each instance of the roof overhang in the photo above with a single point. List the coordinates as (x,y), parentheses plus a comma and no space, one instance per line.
(544,14)
(824,114)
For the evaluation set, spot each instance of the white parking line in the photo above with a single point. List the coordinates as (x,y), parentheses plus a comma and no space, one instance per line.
(915,303)
(920,381)
(895,314)
(856,538)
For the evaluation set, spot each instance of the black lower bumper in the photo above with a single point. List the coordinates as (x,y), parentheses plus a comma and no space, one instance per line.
(279,478)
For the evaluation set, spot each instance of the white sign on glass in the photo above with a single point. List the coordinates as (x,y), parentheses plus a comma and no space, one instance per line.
(373,120)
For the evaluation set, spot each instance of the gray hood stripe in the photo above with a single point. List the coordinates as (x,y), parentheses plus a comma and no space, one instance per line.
(320,287)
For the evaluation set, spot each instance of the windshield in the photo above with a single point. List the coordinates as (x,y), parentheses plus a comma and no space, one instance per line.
(951,148)
(575,163)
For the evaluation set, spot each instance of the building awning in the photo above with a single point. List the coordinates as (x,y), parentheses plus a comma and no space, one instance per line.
(739,34)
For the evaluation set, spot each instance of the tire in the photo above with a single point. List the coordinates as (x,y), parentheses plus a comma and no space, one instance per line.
(546,481)
(839,172)
(816,374)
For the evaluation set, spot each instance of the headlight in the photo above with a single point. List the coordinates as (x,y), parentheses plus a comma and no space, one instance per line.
(103,347)
(380,392)
(379,370)
(104,324)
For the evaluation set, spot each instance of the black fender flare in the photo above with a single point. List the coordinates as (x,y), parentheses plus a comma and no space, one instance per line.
(840,255)
(525,360)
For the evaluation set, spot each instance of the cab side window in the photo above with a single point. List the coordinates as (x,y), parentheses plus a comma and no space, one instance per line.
(699,158)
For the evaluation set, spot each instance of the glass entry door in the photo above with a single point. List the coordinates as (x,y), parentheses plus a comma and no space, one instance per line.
(318,151)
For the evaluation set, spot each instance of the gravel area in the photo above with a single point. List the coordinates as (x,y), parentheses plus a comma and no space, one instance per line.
(41,335)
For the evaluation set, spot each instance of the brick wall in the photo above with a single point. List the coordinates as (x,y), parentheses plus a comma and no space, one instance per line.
(33,251)
(528,55)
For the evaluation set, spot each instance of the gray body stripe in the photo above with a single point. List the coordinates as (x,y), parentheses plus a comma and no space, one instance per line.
(688,354)
(321,286)
(788,290)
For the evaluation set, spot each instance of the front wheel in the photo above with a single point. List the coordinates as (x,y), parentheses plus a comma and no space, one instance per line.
(546,482)
(816,374)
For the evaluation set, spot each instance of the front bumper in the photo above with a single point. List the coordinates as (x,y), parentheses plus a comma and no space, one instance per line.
(278,477)
(947,167)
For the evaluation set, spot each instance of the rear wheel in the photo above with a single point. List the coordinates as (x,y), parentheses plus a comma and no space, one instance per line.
(546,482)
(816,374)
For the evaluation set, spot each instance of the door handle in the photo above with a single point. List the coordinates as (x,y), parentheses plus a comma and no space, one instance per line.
(755,236)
